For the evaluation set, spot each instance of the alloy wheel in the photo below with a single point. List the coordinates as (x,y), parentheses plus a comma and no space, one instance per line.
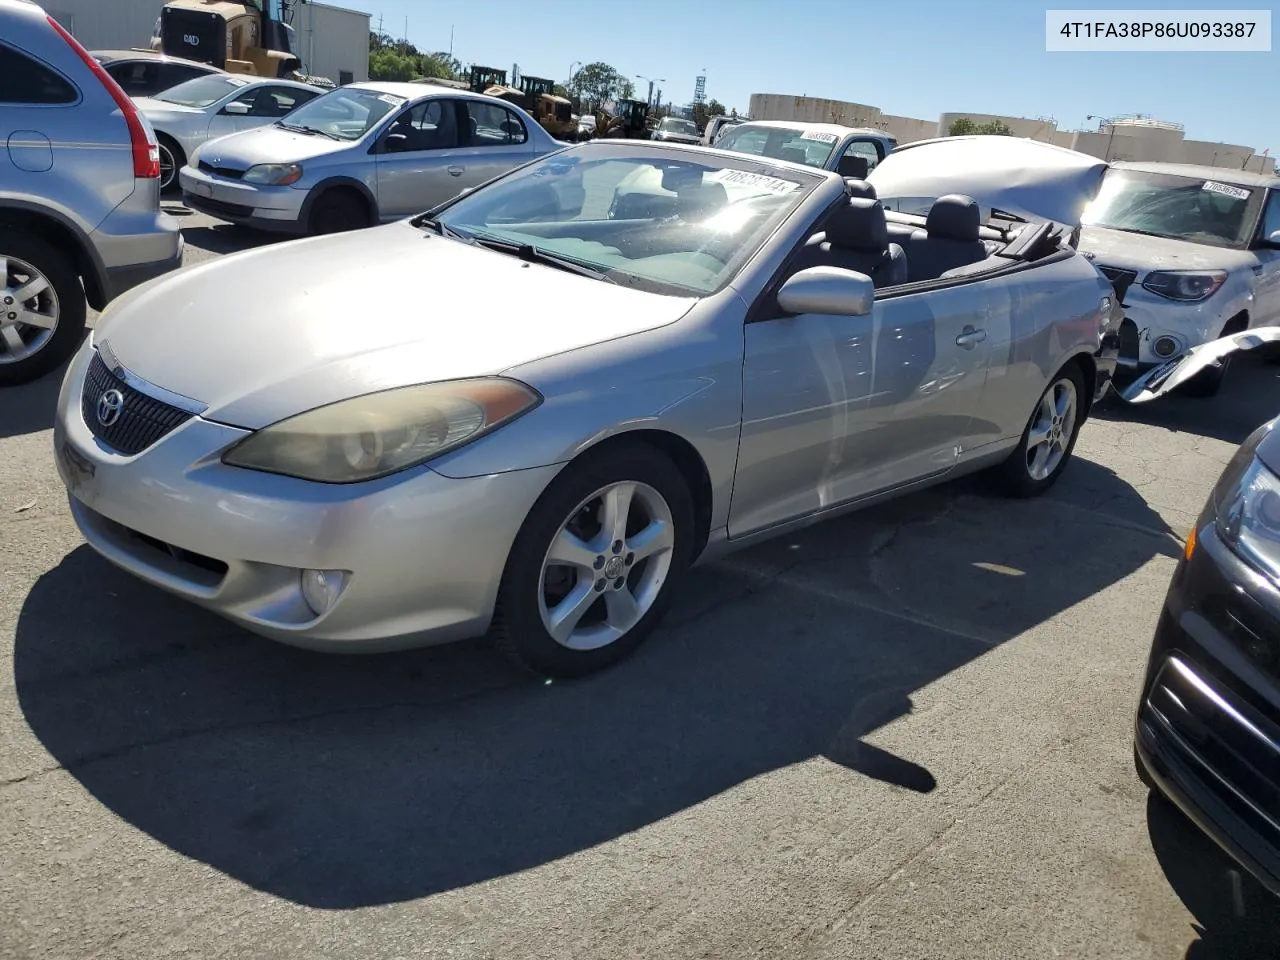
(606,566)
(1049,436)
(28,310)
(168,168)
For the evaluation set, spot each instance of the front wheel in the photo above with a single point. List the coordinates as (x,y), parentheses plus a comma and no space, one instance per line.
(337,212)
(1049,438)
(172,159)
(592,569)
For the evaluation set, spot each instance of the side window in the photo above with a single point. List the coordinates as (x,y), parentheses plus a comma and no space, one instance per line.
(136,79)
(23,80)
(431,125)
(1271,218)
(494,126)
(172,74)
(865,149)
(274,101)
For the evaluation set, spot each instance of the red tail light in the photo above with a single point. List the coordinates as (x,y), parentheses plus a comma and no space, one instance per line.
(146,153)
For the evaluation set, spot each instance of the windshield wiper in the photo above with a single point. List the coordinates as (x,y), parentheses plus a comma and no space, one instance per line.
(532,254)
(444,230)
(303,128)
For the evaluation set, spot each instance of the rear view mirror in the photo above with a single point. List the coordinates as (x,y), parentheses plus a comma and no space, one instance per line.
(237,109)
(828,290)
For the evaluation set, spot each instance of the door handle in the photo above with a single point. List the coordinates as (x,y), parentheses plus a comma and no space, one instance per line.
(456,171)
(970,338)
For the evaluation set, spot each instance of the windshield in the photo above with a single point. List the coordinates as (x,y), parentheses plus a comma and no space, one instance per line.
(1175,206)
(796,144)
(640,218)
(674,125)
(202,91)
(347,113)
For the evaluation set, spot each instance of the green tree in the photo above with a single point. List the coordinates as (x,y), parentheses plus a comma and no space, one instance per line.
(440,65)
(997,128)
(387,64)
(962,127)
(599,82)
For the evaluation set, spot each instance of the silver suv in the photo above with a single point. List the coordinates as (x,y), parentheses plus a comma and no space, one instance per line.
(80,214)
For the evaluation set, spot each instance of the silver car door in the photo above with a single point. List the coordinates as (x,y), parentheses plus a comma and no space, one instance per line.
(418,159)
(1266,297)
(494,140)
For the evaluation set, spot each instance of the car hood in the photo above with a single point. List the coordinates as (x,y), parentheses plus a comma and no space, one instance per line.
(1268,450)
(1034,180)
(269,144)
(271,332)
(1137,251)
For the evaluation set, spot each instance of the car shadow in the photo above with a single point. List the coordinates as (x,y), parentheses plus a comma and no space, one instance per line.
(341,782)
(30,407)
(1236,918)
(1250,396)
(228,238)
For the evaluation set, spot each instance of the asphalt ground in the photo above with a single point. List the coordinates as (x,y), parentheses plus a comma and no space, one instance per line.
(903,734)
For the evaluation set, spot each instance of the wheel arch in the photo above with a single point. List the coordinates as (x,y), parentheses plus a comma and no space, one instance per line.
(330,184)
(62,234)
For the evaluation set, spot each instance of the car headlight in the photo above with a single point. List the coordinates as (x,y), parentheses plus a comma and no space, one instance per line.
(1185,284)
(381,433)
(1248,519)
(274,174)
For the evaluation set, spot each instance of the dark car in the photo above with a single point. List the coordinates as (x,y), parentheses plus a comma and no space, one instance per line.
(142,73)
(1208,727)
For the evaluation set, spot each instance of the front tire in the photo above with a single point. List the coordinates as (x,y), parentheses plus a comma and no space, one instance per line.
(42,308)
(1049,438)
(592,569)
(172,159)
(338,211)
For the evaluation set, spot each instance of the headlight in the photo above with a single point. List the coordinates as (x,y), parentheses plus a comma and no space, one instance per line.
(274,174)
(1185,284)
(381,433)
(1249,518)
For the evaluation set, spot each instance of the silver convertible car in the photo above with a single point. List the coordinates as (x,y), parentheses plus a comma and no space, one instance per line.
(547,412)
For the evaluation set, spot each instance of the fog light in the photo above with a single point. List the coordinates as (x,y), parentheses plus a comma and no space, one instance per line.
(1165,347)
(321,589)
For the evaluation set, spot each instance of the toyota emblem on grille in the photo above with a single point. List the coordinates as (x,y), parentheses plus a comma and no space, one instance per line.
(110,405)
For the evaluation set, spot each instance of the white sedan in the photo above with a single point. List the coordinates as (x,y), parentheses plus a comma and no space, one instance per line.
(205,108)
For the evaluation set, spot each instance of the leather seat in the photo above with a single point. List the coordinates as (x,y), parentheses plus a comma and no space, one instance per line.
(793,155)
(859,188)
(857,238)
(950,238)
(699,201)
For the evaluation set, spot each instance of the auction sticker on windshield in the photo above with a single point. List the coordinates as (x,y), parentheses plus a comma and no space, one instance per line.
(743,179)
(1226,190)
(818,136)
(392,99)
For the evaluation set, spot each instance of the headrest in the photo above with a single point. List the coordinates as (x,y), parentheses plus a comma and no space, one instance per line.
(954,217)
(859,225)
(699,199)
(853,167)
(859,188)
(793,155)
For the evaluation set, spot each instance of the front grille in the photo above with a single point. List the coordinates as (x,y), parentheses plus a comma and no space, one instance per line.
(142,420)
(227,173)
(1120,279)
(217,208)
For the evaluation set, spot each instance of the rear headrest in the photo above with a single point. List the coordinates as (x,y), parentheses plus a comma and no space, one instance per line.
(859,225)
(859,188)
(793,155)
(954,217)
(701,199)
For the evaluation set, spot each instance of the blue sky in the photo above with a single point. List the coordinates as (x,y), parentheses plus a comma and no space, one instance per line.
(916,58)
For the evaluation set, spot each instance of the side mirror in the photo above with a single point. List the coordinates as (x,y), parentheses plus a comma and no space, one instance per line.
(237,109)
(828,290)
(1274,239)
(395,143)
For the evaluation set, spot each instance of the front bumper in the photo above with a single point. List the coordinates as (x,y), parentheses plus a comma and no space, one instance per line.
(249,204)
(1149,318)
(424,553)
(1208,728)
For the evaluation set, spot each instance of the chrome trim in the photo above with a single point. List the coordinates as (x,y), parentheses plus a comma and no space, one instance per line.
(145,387)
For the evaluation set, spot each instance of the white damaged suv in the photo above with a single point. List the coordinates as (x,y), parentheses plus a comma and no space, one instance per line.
(1194,254)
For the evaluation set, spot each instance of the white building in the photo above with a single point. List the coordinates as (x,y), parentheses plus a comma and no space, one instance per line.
(332,41)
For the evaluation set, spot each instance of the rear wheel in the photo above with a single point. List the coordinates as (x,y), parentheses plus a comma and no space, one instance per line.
(591,572)
(1049,438)
(338,211)
(42,308)
(172,159)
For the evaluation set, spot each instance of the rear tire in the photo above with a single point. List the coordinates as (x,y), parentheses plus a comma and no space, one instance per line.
(1049,438)
(338,211)
(596,561)
(172,159)
(40,329)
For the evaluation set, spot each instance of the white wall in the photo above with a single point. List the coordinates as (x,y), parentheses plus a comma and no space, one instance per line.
(107,24)
(331,40)
(907,129)
(781,106)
